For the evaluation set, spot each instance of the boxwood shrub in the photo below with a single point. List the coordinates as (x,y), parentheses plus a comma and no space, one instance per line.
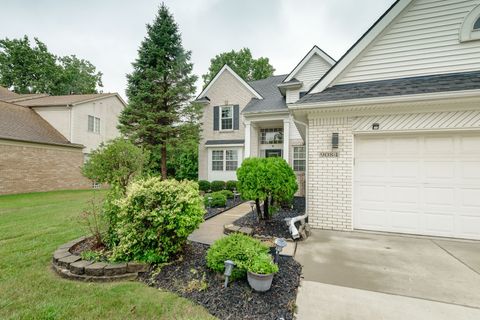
(204,185)
(227,193)
(217,185)
(218,199)
(239,248)
(155,218)
(231,185)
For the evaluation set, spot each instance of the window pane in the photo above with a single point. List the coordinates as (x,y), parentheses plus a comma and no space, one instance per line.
(97,125)
(271,136)
(227,118)
(298,165)
(217,155)
(299,159)
(227,112)
(227,124)
(231,165)
(217,165)
(231,154)
(90,123)
(476,26)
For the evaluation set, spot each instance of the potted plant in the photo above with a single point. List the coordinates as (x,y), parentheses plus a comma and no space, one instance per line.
(260,272)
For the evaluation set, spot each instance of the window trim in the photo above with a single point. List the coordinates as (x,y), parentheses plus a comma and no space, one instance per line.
(234,151)
(220,117)
(96,124)
(467,31)
(222,161)
(304,159)
(267,130)
(225,161)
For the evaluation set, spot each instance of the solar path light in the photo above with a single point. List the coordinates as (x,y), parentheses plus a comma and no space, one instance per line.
(228,271)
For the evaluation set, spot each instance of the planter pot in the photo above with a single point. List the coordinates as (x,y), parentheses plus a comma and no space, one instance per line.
(260,282)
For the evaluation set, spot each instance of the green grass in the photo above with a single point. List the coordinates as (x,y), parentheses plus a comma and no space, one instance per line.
(32,226)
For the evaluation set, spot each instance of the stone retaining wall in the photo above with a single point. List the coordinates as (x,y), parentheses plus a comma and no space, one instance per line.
(71,266)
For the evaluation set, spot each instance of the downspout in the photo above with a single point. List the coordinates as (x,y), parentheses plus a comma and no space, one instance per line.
(71,122)
(291,221)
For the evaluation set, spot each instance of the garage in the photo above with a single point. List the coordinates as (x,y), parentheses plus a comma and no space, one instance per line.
(426,184)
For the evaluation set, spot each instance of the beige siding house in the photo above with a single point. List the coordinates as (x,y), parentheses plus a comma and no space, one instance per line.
(242,120)
(393,129)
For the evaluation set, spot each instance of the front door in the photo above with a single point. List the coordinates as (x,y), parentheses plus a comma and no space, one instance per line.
(273,153)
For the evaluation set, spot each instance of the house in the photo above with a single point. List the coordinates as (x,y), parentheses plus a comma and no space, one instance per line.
(77,123)
(392,130)
(251,119)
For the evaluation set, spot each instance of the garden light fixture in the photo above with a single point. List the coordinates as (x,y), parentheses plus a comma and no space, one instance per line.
(228,271)
(209,202)
(280,243)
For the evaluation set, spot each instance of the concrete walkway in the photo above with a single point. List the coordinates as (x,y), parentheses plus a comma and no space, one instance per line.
(358,275)
(212,229)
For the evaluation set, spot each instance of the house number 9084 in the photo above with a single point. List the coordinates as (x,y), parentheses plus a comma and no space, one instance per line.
(329,154)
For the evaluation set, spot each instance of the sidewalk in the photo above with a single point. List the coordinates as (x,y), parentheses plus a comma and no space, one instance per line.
(212,229)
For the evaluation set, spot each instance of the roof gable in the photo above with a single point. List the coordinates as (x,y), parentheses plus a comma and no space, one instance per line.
(226,68)
(314,52)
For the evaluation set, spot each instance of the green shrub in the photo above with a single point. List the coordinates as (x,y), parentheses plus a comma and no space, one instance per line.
(155,218)
(217,185)
(239,248)
(231,185)
(262,264)
(218,199)
(227,193)
(204,185)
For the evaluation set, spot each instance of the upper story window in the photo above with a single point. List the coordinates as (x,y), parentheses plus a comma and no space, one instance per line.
(271,136)
(93,124)
(226,118)
(470,29)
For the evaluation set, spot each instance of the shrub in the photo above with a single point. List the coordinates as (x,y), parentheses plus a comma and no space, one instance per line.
(231,185)
(227,193)
(204,185)
(266,179)
(155,218)
(218,199)
(115,163)
(262,264)
(217,185)
(239,248)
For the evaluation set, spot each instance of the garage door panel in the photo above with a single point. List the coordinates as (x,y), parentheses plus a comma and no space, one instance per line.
(425,184)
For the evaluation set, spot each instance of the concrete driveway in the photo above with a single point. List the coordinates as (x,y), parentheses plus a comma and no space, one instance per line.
(357,275)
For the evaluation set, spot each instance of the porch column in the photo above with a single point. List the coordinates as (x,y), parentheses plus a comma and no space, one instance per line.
(248,127)
(286,139)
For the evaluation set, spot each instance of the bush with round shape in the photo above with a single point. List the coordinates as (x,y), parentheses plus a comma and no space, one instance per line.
(218,200)
(155,218)
(204,185)
(231,185)
(217,185)
(240,249)
(227,193)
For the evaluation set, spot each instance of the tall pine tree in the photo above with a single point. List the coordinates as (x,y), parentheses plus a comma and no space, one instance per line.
(159,88)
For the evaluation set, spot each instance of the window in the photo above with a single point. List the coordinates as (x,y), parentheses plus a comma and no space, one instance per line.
(299,158)
(95,185)
(226,118)
(476,26)
(470,29)
(93,124)
(217,160)
(231,157)
(271,136)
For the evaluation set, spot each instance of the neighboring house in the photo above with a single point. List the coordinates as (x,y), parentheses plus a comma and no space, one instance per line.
(242,120)
(82,121)
(393,129)
(34,156)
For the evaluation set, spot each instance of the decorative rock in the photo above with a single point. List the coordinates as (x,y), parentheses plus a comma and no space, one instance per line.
(230,228)
(115,269)
(65,261)
(59,254)
(133,267)
(95,269)
(246,230)
(79,266)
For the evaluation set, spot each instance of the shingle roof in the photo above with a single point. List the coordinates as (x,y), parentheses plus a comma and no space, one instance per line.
(219,142)
(63,100)
(397,87)
(7,94)
(272,98)
(24,124)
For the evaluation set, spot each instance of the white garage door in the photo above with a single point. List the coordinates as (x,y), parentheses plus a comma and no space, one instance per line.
(421,184)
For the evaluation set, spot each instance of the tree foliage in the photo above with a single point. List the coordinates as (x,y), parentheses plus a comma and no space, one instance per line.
(115,163)
(266,179)
(159,90)
(33,69)
(242,63)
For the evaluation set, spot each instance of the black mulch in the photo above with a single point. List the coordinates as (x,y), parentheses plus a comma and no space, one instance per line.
(212,212)
(190,278)
(276,226)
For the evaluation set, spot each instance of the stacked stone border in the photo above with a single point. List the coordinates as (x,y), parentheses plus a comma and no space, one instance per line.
(71,266)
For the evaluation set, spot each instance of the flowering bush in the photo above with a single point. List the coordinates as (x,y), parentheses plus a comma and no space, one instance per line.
(155,218)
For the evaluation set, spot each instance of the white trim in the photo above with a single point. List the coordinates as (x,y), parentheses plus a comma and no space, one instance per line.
(220,125)
(314,51)
(360,46)
(243,82)
(467,33)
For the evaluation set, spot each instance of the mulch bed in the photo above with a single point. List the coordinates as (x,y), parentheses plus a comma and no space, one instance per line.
(88,244)
(190,278)
(212,212)
(276,226)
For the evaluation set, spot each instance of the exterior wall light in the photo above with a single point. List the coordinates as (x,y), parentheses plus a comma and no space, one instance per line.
(375,126)
(280,243)
(228,271)
(335,139)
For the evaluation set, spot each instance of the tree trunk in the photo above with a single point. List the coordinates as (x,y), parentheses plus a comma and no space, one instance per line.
(266,204)
(163,160)
(259,209)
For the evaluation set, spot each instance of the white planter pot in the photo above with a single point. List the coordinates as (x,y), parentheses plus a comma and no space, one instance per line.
(260,282)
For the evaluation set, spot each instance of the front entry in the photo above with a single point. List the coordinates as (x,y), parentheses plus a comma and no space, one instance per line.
(273,153)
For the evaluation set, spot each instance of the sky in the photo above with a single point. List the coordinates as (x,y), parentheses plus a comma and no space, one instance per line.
(108,32)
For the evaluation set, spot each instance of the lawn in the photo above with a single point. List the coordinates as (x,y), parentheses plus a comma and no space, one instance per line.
(32,226)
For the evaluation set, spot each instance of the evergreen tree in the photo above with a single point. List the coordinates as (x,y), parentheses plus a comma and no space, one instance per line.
(159,88)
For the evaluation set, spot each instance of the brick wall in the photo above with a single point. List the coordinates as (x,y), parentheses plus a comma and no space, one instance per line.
(28,167)
(330,178)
